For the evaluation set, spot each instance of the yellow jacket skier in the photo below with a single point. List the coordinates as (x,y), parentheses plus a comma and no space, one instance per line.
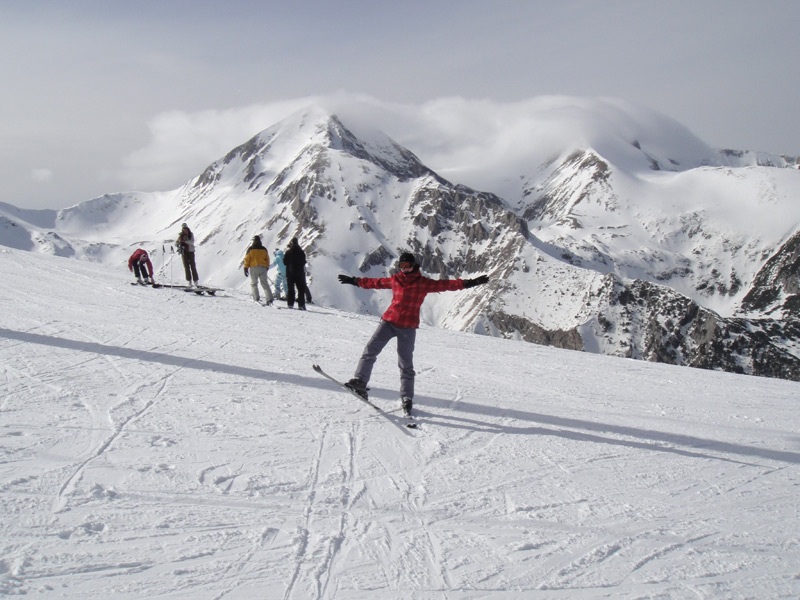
(256,263)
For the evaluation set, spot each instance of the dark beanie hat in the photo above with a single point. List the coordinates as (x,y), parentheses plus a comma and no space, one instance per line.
(407,257)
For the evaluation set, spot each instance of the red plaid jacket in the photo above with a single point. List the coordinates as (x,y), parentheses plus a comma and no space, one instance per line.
(408,293)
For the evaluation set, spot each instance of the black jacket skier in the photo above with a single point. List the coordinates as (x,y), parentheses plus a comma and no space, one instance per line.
(295,261)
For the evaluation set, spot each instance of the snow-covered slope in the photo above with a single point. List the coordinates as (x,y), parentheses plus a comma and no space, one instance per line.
(158,444)
(622,202)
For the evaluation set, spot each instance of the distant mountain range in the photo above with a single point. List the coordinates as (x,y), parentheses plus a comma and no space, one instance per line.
(644,243)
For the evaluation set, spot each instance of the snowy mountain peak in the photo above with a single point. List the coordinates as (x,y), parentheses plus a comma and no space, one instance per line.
(309,137)
(553,199)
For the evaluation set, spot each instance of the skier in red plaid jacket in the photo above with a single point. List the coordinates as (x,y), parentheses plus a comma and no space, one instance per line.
(401,320)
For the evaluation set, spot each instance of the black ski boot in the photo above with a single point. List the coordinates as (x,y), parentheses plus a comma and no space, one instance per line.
(357,386)
(407,405)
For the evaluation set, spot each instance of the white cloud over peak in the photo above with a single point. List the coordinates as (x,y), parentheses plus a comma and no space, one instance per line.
(480,143)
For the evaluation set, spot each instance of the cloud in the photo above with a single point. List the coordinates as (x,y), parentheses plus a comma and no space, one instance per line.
(484,144)
(41,175)
(183,143)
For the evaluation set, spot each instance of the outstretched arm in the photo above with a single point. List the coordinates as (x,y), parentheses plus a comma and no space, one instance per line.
(449,285)
(374,283)
(480,280)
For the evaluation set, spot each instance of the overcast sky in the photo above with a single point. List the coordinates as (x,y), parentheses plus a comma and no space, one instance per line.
(89,87)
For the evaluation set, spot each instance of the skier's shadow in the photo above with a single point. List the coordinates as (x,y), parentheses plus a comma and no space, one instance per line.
(162,358)
(444,413)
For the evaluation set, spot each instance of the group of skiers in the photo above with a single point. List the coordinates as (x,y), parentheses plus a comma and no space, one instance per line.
(400,321)
(290,277)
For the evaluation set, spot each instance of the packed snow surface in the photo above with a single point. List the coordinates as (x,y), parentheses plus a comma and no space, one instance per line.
(161,444)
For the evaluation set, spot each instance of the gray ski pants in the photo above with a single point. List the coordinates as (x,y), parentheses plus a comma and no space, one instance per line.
(406,338)
(259,274)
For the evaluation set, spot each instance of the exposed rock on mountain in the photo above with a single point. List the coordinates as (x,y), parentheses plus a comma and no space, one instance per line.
(650,322)
(776,287)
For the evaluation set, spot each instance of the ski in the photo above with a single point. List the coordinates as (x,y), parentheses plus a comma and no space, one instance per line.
(410,423)
(319,370)
(199,290)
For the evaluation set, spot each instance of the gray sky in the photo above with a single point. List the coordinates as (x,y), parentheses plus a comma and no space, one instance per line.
(88,85)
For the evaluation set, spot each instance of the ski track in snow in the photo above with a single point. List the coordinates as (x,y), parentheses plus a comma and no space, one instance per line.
(161,444)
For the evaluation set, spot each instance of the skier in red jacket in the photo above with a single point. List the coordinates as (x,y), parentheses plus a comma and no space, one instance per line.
(401,320)
(139,263)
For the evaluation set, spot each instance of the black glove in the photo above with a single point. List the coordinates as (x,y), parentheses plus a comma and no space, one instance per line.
(246,271)
(468,283)
(348,279)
